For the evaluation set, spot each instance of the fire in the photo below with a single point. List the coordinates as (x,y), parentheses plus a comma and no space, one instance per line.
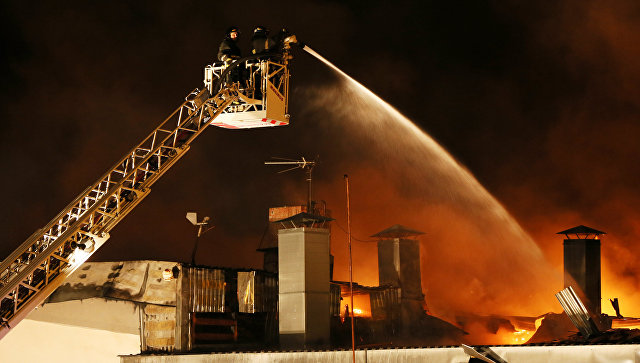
(621,287)
(361,305)
(519,331)
(626,323)
(522,336)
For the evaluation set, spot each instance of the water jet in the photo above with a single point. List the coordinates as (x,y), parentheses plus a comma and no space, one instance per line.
(480,260)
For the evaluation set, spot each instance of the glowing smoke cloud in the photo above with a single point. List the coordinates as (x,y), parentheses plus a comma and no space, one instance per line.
(478,259)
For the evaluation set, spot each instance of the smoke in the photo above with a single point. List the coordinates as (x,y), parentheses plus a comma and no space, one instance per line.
(553,136)
(477,258)
(587,165)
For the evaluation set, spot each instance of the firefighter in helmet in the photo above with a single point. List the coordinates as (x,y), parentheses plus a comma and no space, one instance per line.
(278,39)
(229,50)
(260,42)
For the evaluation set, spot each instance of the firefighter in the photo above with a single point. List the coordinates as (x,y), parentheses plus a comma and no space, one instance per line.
(228,52)
(260,42)
(278,39)
(261,45)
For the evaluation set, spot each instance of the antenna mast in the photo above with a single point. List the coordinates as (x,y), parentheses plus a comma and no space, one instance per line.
(298,164)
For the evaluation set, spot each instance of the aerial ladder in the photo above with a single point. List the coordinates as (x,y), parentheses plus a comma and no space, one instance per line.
(36,268)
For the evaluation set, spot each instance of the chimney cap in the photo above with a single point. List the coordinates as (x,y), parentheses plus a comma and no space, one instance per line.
(397,231)
(582,232)
(305,218)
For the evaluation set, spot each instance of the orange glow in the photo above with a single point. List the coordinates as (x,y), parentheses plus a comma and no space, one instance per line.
(474,259)
(451,292)
(167,275)
(521,336)
(628,323)
(451,241)
(512,335)
(622,288)
(361,305)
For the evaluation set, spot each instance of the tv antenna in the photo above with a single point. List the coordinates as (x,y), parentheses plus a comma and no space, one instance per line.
(297,164)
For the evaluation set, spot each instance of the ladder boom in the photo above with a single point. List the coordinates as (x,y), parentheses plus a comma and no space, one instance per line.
(34,270)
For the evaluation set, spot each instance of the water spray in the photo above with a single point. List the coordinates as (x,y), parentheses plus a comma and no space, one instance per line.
(467,197)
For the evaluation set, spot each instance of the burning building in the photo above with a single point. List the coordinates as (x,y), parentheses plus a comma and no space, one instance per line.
(178,308)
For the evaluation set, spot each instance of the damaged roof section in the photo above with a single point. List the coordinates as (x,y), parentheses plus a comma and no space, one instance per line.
(139,281)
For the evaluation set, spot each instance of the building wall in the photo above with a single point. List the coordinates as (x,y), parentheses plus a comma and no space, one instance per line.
(159,328)
(538,354)
(46,341)
(304,287)
(97,313)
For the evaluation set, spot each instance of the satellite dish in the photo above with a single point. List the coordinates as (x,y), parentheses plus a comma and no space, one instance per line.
(192,217)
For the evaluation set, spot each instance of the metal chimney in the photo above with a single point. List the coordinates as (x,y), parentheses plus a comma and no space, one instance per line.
(303,281)
(399,266)
(582,264)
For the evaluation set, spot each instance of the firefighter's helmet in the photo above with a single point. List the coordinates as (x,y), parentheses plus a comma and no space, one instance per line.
(232,29)
(260,29)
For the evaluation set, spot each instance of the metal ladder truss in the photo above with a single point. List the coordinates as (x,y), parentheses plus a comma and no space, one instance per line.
(44,260)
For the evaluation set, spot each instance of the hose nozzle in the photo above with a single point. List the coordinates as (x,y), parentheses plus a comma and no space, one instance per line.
(292,39)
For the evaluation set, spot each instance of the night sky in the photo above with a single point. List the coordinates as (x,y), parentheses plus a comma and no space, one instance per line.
(541,103)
